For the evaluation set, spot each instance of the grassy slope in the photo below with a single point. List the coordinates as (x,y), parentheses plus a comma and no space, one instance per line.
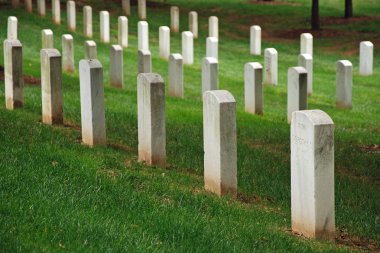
(56,193)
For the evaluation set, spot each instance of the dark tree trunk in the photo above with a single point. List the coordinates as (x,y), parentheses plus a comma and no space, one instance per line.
(315,15)
(348,9)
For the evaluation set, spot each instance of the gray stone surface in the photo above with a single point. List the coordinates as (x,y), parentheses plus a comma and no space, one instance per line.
(90,51)
(144,61)
(12,28)
(176,76)
(104,27)
(13,74)
(174,19)
(92,102)
(219,135)
(366,58)
(213,27)
(271,66)
(212,47)
(68,62)
(253,88)
(123,31)
(151,119)
(188,48)
(306,61)
(71,16)
(306,44)
(41,7)
(87,21)
(143,35)
(141,6)
(344,84)
(51,86)
(56,11)
(210,79)
(164,42)
(47,38)
(193,23)
(312,174)
(116,66)
(297,90)
(255,41)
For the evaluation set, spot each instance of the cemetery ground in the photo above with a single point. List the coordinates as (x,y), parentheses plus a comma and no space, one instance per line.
(57,194)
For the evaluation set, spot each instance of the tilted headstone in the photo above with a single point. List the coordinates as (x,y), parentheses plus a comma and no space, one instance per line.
(212,47)
(144,61)
(174,19)
(297,90)
(143,35)
(344,84)
(176,75)
(87,21)
(68,53)
(307,44)
(12,28)
(366,58)
(90,51)
(255,34)
(306,61)
(193,23)
(271,66)
(92,102)
(164,42)
(71,15)
(51,86)
(253,88)
(28,6)
(123,31)
(126,5)
(141,9)
(47,38)
(104,27)
(56,11)
(41,7)
(13,74)
(116,66)
(188,48)
(210,79)
(219,142)
(312,174)
(213,27)
(151,119)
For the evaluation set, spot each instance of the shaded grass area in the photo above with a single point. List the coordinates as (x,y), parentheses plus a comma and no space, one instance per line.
(58,194)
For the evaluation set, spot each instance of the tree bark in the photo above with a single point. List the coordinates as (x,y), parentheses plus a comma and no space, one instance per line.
(348,9)
(315,15)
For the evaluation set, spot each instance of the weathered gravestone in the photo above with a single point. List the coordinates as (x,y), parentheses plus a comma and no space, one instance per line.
(306,61)
(12,28)
(71,16)
(312,174)
(143,35)
(47,38)
(104,27)
(144,61)
(213,27)
(116,66)
(56,11)
(87,21)
(164,42)
(68,53)
(41,7)
(126,6)
(176,75)
(174,19)
(253,88)
(193,23)
(255,34)
(90,51)
(188,48)
(366,58)
(306,44)
(123,31)
(141,9)
(210,79)
(212,47)
(297,90)
(151,119)
(219,135)
(13,74)
(271,66)
(344,84)
(92,102)
(51,86)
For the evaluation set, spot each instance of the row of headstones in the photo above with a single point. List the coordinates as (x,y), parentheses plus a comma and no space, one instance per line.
(311,140)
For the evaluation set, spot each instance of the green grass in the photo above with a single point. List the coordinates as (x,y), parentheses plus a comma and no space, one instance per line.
(59,195)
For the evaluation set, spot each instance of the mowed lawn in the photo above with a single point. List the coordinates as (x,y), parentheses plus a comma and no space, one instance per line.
(59,195)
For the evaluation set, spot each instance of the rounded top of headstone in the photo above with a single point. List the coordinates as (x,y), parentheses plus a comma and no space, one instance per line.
(164,28)
(150,78)
(104,13)
(144,52)
(51,52)
(307,35)
(315,117)
(117,47)
(367,43)
(174,8)
(221,96)
(47,31)
(122,18)
(90,43)
(298,70)
(212,39)
(175,57)
(187,34)
(87,7)
(345,63)
(270,50)
(306,56)
(90,63)
(70,2)
(213,17)
(256,27)
(142,23)
(210,60)
(193,13)
(67,36)
(254,65)
(12,18)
